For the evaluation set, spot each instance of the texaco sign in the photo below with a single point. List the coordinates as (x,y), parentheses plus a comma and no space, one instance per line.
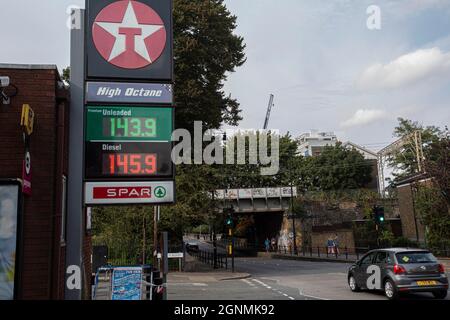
(130,39)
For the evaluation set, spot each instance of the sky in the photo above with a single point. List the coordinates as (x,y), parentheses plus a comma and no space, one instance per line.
(327,69)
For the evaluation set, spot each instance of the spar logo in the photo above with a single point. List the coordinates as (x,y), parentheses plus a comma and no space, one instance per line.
(129,34)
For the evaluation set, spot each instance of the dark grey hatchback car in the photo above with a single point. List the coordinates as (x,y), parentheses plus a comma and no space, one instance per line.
(399,270)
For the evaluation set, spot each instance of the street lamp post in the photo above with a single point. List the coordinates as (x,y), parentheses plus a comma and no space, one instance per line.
(214,239)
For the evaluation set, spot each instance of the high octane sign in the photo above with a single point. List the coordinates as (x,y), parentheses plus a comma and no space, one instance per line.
(129,92)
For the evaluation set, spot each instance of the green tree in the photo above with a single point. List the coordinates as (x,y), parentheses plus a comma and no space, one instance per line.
(433,212)
(433,199)
(206,50)
(437,165)
(194,205)
(66,74)
(249,175)
(336,168)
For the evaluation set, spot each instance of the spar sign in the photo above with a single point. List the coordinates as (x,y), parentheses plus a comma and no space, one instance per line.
(130,192)
(130,39)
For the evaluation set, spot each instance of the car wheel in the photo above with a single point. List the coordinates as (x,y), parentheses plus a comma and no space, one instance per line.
(390,290)
(441,294)
(352,284)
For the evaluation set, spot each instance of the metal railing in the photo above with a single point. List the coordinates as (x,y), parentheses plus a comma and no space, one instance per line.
(218,261)
(345,253)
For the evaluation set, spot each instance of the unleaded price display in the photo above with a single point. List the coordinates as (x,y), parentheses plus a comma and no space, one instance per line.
(129,124)
(129,127)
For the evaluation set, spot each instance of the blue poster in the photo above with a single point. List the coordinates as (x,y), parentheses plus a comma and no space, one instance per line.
(126,283)
(8,237)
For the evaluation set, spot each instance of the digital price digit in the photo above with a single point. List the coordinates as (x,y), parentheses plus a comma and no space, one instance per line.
(136,164)
(129,127)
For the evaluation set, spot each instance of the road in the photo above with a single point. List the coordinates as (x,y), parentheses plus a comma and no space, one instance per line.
(276,279)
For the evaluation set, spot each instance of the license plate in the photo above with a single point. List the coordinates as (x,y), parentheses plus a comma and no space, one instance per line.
(426,283)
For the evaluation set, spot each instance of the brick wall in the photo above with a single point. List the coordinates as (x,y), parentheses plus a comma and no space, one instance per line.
(42,252)
(406,208)
(345,238)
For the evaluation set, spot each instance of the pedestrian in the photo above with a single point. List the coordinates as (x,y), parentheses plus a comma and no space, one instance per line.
(336,244)
(330,245)
(274,243)
(267,244)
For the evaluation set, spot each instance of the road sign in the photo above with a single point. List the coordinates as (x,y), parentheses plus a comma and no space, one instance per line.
(130,39)
(150,192)
(128,123)
(148,93)
(26,174)
(176,255)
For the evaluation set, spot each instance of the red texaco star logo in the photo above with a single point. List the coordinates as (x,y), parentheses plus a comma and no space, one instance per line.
(129,34)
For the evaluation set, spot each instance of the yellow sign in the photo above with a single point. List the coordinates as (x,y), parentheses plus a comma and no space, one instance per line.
(27,120)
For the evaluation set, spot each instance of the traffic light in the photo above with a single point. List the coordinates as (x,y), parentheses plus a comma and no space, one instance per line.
(378,214)
(229,221)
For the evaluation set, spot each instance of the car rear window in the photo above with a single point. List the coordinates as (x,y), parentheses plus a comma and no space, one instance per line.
(415,257)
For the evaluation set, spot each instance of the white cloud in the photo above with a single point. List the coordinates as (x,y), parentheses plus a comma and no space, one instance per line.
(407,69)
(363,117)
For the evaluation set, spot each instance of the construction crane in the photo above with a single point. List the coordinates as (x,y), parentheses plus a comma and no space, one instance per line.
(269,110)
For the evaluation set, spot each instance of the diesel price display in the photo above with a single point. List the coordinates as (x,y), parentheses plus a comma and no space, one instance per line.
(129,164)
(128,159)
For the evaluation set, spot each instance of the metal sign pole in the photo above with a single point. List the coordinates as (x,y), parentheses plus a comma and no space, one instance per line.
(73,287)
(165,257)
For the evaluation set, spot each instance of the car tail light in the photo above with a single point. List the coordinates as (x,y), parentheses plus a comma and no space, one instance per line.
(398,269)
(441,268)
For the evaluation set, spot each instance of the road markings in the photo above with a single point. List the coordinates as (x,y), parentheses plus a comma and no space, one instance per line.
(248,282)
(273,289)
(309,296)
(188,284)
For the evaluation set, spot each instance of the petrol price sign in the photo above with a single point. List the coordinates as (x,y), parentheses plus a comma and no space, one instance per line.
(128,102)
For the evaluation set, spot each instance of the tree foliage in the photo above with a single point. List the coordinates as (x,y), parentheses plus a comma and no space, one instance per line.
(434,213)
(122,229)
(437,165)
(205,51)
(336,168)
(65,76)
(249,175)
